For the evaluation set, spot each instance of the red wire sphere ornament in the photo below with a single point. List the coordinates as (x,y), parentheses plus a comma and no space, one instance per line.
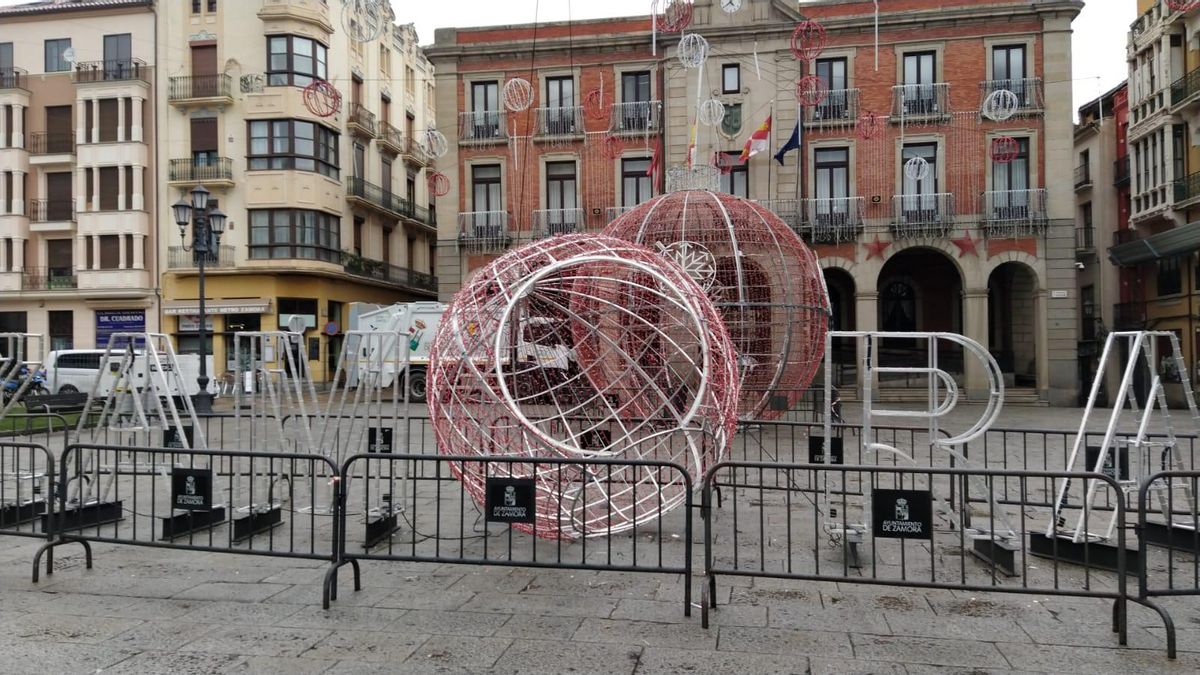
(869,126)
(672,16)
(593,105)
(1005,149)
(811,91)
(322,99)
(1183,5)
(611,147)
(583,347)
(439,184)
(808,40)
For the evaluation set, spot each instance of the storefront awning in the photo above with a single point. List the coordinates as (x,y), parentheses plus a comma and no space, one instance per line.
(242,306)
(1167,244)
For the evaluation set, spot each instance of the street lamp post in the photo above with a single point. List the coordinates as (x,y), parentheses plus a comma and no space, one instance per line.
(208,223)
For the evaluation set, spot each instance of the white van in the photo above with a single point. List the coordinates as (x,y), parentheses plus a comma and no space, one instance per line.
(71,371)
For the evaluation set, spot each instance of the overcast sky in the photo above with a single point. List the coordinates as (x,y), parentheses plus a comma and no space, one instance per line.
(1099,45)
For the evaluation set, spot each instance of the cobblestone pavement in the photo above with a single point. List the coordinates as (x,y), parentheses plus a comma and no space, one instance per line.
(152,610)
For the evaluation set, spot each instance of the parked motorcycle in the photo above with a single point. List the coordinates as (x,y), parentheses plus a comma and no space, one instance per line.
(37,386)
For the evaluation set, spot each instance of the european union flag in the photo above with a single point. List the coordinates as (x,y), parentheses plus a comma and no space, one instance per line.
(792,144)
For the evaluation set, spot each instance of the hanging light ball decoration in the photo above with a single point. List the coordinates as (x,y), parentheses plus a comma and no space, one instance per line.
(322,98)
(916,169)
(364,20)
(711,112)
(869,125)
(766,284)
(1000,105)
(811,91)
(436,143)
(1183,5)
(583,346)
(518,94)
(808,41)
(1005,149)
(611,147)
(439,184)
(593,105)
(692,50)
(672,16)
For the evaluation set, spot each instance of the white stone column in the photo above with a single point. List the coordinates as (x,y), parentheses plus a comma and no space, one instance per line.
(81,120)
(81,204)
(3,187)
(122,263)
(139,199)
(18,264)
(95,120)
(1041,334)
(80,253)
(135,129)
(4,128)
(95,251)
(121,120)
(3,255)
(975,326)
(18,130)
(18,195)
(121,189)
(95,188)
(139,253)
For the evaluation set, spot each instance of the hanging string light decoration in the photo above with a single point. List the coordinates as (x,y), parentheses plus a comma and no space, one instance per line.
(1005,149)
(518,94)
(584,346)
(611,147)
(711,112)
(1183,5)
(693,50)
(364,20)
(436,143)
(1000,105)
(322,98)
(766,283)
(439,183)
(672,16)
(808,41)
(811,91)
(916,169)
(869,126)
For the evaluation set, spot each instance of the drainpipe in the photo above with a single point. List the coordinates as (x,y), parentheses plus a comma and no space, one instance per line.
(157,174)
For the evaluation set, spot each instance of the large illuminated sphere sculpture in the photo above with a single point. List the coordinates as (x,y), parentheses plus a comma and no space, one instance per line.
(584,346)
(765,282)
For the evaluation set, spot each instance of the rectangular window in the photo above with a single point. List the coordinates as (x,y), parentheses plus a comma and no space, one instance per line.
(832,73)
(62,329)
(294,233)
(385,60)
(292,144)
(1008,63)
(118,56)
(110,251)
(920,73)
(735,181)
(195,6)
(561,198)
(919,201)
(831,171)
(6,62)
(635,182)
(55,61)
(1087,313)
(487,203)
(731,78)
(358,234)
(559,117)
(1010,185)
(109,181)
(485,110)
(1170,276)
(294,60)
(109,108)
(1179,135)
(212,6)
(635,87)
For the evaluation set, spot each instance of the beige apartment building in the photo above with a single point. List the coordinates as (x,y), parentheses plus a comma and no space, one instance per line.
(322,211)
(77,167)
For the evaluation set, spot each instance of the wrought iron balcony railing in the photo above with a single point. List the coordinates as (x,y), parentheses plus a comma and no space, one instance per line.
(13,78)
(379,270)
(52,210)
(920,100)
(179,259)
(788,210)
(566,121)
(484,231)
(391,139)
(833,220)
(1187,188)
(114,70)
(52,143)
(48,279)
(839,105)
(1014,213)
(187,87)
(637,117)
(553,222)
(1027,89)
(357,116)
(483,125)
(922,216)
(1085,239)
(1186,87)
(1083,176)
(200,170)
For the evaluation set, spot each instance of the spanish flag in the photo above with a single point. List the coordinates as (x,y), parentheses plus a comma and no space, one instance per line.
(758,141)
(691,152)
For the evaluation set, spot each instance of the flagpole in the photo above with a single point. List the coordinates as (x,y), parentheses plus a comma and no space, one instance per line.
(799,163)
(770,144)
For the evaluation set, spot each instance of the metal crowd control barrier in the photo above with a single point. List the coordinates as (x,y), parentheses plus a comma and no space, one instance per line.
(50,430)
(438,522)
(220,430)
(905,512)
(222,501)
(786,441)
(26,492)
(1169,546)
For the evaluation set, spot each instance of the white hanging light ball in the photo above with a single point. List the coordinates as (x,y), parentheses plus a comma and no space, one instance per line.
(916,169)
(693,50)
(518,94)
(435,142)
(712,112)
(1000,105)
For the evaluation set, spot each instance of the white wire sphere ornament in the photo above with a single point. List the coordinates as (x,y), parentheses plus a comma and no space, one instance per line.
(584,346)
(518,94)
(711,112)
(766,284)
(916,169)
(1000,105)
(364,20)
(693,50)
(436,143)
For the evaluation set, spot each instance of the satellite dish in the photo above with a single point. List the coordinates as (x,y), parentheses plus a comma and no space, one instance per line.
(69,55)
(296,324)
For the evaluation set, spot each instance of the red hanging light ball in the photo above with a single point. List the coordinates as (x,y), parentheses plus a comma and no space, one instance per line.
(811,91)
(869,126)
(439,184)
(672,16)
(808,40)
(322,99)
(1005,149)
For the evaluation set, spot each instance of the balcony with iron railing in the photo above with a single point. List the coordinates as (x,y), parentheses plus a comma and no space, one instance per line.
(49,279)
(207,170)
(376,198)
(1121,172)
(482,126)
(833,220)
(920,100)
(553,222)
(1129,315)
(1028,91)
(788,210)
(636,117)
(54,210)
(1014,213)
(484,231)
(613,212)
(416,153)
(922,216)
(1083,176)
(1187,190)
(1085,240)
(187,90)
(391,139)
(180,259)
(378,270)
(114,70)
(360,121)
(14,78)
(1185,92)
(840,106)
(560,122)
(52,143)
